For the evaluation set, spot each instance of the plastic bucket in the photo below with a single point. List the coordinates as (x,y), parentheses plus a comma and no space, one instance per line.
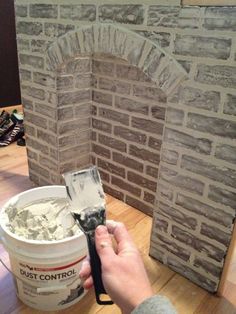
(46,272)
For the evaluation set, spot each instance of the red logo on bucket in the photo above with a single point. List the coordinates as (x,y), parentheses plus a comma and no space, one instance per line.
(52,268)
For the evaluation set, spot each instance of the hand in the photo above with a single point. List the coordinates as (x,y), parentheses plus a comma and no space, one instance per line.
(123,273)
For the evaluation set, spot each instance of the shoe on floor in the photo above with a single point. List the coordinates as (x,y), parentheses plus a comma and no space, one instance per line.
(6,128)
(4,117)
(13,135)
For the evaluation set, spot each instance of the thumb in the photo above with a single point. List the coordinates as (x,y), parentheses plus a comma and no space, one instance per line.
(103,244)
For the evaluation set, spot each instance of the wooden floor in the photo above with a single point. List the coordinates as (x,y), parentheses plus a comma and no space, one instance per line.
(187,297)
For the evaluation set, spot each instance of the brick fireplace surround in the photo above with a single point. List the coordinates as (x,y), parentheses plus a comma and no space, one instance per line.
(147,93)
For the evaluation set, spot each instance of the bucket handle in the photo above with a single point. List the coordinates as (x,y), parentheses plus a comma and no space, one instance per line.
(39,289)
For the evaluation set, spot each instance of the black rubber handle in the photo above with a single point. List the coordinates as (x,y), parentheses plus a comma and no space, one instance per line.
(96,270)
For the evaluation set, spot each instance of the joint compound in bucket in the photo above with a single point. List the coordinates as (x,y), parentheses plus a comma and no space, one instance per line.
(45,248)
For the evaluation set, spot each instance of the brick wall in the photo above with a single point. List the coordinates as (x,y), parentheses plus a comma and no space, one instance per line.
(196,196)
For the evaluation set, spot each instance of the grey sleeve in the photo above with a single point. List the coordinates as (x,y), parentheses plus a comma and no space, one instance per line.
(155,305)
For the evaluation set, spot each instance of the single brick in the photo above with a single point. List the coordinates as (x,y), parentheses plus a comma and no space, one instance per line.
(131,105)
(147,92)
(111,168)
(102,98)
(224,175)
(112,143)
(101,125)
(131,73)
(38,146)
(43,11)
(216,234)
(229,105)
(207,266)
(152,171)
(166,16)
(154,143)
(46,137)
(222,75)
(170,246)
(212,125)
(35,119)
(125,186)
(21,10)
(212,213)
(149,198)
(147,125)
(127,161)
(103,68)
(226,152)
(158,112)
(125,14)
(38,45)
(65,82)
(200,145)
(65,113)
(199,245)
(169,156)
(144,154)
(174,116)
(159,38)
(142,181)
(56,29)
(29,28)
(81,12)
(136,203)
(73,97)
(222,196)
(78,65)
(184,182)
(177,215)
(74,125)
(202,46)
(45,110)
(114,115)
(44,79)
(38,169)
(130,135)
(101,151)
(33,61)
(113,192)
(83,80)
(114,86)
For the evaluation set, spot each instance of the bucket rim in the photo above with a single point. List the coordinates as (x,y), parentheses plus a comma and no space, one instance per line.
(30,241)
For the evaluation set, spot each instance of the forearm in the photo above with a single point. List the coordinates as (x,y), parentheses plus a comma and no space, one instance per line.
(155,305)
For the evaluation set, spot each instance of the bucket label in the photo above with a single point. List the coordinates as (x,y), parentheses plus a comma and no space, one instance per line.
(48,287)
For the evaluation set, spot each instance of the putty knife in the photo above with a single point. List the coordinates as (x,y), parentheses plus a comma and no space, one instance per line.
(87,200)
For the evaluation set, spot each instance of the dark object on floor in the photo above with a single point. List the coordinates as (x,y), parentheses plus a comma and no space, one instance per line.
(13,135)
(4,117)
(6,128)
(21,141)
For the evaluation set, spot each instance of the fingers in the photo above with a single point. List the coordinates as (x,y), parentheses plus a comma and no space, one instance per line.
(104,244)
(121,235)
(85,270)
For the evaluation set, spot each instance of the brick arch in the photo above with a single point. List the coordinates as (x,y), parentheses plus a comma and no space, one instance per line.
(119,42)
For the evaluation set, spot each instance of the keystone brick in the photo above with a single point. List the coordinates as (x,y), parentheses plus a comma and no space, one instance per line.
(136,203)
(222,75)
(199,46)
(224,175)
(141,181)
(215,126)
(147,125)
(229,106)
(182,181)
(114,116)
(194,276)
(130,135)
(216,234)
(199,245)
(131,105)
(29,28)
(111,142)
(200,145)
(78,12)
(222,196)
(170,246)
(144,154)
(226,152)
(101,125)
(111,168)
(177,215)
(127,161)
(212,213)
(125,14)
(126,186)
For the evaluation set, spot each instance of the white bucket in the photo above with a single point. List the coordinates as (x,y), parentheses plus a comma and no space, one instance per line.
(46,272)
